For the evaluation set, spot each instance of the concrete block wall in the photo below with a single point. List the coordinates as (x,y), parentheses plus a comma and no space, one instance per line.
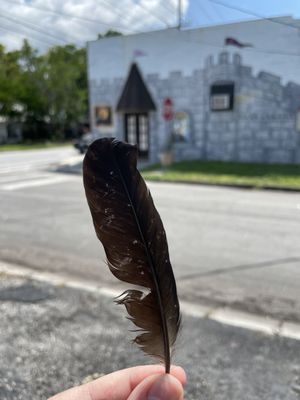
(186,93)
(106,92)
(260,128)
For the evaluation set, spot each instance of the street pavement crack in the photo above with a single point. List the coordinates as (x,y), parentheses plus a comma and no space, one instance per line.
(243,267)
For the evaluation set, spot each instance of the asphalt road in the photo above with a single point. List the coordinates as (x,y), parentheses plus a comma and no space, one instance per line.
(32,160)
(228,246)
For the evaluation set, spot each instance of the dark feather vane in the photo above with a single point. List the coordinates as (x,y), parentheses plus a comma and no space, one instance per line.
(131,231)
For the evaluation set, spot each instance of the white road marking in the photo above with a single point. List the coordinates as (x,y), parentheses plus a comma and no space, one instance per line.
(223,315)
(49,180)
(26,166)
(291,330)
(36,160)
(19,176)
(246,320)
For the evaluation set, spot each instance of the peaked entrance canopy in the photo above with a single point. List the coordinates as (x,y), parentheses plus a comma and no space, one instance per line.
(135,97)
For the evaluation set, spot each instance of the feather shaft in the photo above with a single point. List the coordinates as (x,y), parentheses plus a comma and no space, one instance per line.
(151,264)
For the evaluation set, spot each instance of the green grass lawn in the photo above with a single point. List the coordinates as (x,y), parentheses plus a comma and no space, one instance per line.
(227,173)
(32,146)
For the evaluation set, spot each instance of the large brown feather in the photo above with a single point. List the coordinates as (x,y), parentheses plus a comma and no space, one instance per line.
(131,231)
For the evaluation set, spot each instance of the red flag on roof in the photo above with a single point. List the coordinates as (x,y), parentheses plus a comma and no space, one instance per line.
(233,42)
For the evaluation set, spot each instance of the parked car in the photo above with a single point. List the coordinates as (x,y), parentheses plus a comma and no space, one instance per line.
(85,140)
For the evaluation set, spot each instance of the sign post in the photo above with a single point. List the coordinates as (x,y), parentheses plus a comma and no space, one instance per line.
(168,109)
(166,154)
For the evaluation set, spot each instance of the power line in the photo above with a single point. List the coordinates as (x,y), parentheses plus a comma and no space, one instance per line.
(151,12)
(64,14)
(85,19)
(144,8)
(275,52)
(120,14)
(26,35)
(13,38)
(217,11)
(250,49)
(255,49)
(205,11)
(31,26)
(253,14)
(168,6)
(49,42)
(141,6)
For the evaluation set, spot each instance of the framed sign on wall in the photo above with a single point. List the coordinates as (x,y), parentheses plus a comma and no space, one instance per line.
(103,115)
(181,126)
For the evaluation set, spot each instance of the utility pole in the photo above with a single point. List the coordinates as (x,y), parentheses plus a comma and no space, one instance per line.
(179,13)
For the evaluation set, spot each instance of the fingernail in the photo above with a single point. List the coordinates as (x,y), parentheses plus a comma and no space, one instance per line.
(166,387)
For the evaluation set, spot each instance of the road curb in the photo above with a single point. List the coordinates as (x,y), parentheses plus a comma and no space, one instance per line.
(227,185)
(223,315)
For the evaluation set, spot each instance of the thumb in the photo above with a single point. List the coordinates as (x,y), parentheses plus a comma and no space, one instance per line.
(158,387)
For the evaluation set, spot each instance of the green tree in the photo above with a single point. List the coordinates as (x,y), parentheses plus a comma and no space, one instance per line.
(47,92)
(10,80)
(109,33)
(32,85)
(65,86)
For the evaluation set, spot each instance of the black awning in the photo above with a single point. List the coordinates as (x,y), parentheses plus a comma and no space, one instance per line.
(135,97)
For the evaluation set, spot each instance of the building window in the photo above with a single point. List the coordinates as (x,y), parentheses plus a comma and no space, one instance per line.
(143,133)
(222,97)
(103,116)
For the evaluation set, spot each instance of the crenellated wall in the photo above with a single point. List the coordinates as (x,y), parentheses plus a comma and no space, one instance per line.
(261,127)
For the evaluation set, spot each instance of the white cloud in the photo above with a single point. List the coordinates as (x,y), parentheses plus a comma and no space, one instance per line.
(29,19)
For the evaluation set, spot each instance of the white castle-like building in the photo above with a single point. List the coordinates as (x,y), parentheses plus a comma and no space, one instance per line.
(216,102)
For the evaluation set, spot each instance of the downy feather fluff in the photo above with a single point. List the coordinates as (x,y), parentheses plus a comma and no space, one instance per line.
(131,231)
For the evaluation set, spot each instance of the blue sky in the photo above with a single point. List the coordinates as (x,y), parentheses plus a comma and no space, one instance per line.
(205,12)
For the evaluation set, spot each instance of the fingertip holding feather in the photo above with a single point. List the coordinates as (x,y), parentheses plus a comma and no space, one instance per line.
(131,231)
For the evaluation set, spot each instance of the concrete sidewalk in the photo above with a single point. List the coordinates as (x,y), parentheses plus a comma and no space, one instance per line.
(55,336)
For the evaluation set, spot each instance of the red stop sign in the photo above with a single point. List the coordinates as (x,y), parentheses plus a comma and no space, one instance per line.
(168,109)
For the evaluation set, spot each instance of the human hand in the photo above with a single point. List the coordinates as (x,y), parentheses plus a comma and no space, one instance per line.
(137,383)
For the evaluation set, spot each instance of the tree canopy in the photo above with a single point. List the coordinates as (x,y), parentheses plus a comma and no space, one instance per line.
(109,33)
(47,93)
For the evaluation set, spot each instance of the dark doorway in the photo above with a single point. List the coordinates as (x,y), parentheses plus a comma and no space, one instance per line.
(136,104)
(137,131)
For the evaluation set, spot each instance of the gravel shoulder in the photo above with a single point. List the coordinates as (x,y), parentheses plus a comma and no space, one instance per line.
(53,337)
